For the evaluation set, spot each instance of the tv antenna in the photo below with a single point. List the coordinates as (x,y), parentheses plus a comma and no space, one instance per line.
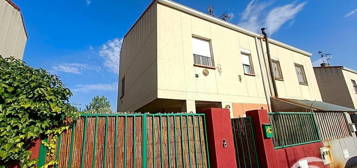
(326,57)
(226,16)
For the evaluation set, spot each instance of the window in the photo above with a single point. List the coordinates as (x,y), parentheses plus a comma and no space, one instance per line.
(354,85)
(202,52)
(247,63)
(300,72)
(278,75)
(122,87)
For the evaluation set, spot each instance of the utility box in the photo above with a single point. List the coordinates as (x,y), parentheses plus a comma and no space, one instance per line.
(268,131)
(325,155)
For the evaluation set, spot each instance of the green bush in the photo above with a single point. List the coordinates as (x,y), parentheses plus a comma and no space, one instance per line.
(32,103)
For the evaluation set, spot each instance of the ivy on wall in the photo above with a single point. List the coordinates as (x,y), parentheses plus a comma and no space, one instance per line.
(33,104)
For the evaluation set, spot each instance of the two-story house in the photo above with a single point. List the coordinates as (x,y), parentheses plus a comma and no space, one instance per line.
(13,34)
(338,85)
(176,59)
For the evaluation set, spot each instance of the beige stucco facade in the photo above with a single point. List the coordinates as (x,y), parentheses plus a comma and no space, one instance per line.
(13,35)
(166,70)
(335,83)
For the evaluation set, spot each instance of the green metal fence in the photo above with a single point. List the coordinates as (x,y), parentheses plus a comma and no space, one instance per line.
(244,142)
(134,140)
(293,128)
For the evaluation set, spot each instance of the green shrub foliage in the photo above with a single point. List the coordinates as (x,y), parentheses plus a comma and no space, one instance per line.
(32,102)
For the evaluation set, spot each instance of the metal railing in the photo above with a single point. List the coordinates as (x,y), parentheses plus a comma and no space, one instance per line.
(332,125)
(202,60)
(244,142)
(293,128)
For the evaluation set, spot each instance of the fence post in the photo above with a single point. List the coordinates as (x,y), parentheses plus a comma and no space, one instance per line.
(144,140)
(220,133)
(265,146)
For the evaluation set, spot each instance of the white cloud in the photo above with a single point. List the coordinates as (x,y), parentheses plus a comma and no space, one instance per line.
(351,13)
(110,51)
(95,87)
(256,16)
(74,68)
(88,2)
(280,15)
(251,17)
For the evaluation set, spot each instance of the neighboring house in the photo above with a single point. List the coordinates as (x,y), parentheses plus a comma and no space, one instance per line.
(177,59)
(338,85)
(13,34)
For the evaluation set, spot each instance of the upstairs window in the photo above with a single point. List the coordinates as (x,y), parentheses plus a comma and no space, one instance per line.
(122,88)
(300,72)
(278,75)
(247,63)
(354,85)
(202,52)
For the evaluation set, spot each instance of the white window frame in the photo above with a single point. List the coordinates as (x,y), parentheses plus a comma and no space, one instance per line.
(280,72)
(247,63)
(201,57)
(305,82)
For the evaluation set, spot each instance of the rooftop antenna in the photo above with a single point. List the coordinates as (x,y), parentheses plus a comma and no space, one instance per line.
(211,10)
(226,16)
(325,58)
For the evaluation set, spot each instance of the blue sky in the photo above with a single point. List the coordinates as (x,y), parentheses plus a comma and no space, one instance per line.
(79,40)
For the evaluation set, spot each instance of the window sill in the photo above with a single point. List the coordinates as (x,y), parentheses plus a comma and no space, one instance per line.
(203,66)
(249,74)
(280,80)
(304,84)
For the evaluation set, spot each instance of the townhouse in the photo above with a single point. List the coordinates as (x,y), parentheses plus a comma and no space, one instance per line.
(13,34)
(176,59)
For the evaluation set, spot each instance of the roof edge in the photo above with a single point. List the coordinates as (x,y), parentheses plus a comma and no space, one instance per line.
(22,17)
(215,20)
(338,67)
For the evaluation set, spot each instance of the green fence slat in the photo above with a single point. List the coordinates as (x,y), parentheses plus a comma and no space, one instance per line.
(58,150)
(84,142)
(43,154)
(125,143)
(105,142)
(168,139)
(200,138)
(194,139)
(95,142)
(153,141)
(188,142)
(160,141)
(176,160)
(71,146)
(144,140)
(115,141)
(206,138)
(182,145)
(134,141)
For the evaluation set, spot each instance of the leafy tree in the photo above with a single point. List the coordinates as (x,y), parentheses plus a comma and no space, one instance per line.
(99,104)
(33,103)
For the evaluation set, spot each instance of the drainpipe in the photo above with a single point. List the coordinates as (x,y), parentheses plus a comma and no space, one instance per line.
(275,93)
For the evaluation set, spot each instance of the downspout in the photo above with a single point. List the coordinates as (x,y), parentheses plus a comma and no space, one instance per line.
(267,98)
(275,93)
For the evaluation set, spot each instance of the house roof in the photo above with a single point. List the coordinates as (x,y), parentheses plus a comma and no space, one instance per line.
(217,21)
(339,67)
(18,9)
(318,105)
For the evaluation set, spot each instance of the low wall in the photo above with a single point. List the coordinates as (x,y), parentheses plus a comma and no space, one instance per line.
(284,157)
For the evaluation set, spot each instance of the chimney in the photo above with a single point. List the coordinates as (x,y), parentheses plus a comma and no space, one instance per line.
(324,64)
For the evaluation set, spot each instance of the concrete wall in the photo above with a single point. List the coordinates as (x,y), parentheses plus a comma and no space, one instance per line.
(227,82)
(12,31)
(289,87)
(349,75)
(138,63)
(332,85)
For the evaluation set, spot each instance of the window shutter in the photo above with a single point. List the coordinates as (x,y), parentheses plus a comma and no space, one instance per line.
(201,47)
(245,59)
